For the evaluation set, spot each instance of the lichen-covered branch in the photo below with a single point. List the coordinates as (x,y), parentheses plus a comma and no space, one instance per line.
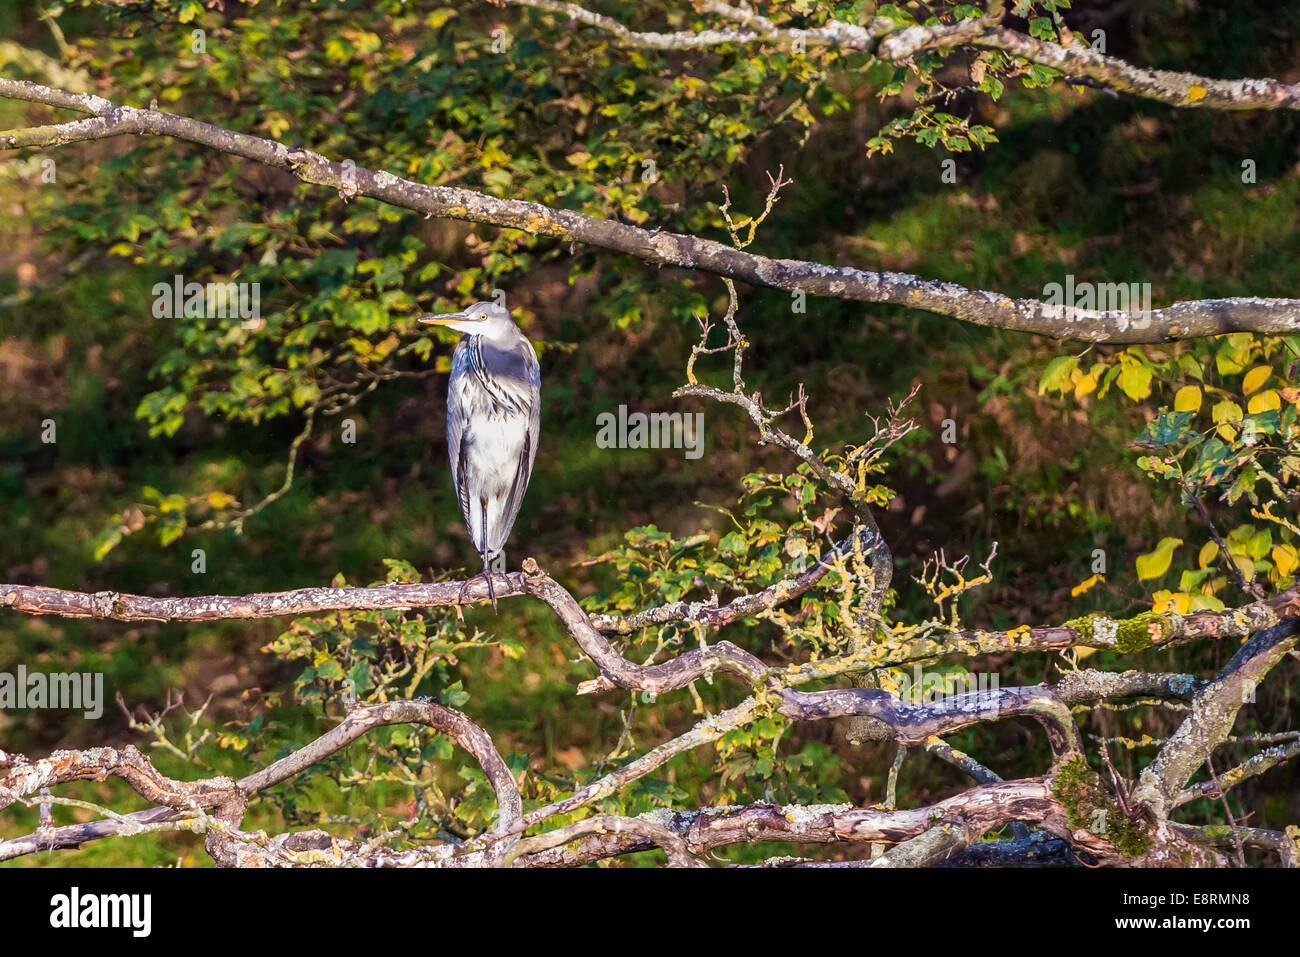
(1143,632)
(1181,320)
(961,820)
(753,28)
(1253,766)
(1165,86)
(25,778)
(972,813)
(1214,711)
(899,44)
(180,800)
(671,843)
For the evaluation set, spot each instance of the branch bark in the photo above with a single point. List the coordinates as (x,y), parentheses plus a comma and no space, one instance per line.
(616,671)
(1214,711)
(181,799)
(1182,320)
(1164,86)
(898,44)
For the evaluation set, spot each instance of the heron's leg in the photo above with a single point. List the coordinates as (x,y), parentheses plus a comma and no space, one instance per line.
(483,552)
(487,573)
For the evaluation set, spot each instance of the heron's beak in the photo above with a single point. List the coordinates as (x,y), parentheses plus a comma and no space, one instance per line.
(446,319)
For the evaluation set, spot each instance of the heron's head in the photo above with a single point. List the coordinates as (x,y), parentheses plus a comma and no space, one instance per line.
(481,319)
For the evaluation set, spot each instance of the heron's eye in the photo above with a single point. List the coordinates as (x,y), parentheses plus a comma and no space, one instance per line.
(483,316)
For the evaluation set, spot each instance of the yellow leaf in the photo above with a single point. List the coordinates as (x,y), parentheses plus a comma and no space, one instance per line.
(1245,566)
(1197,92)
(1085,384)
(1235,355)
(1179,602)
(1264,401)
(1226,411)
(1285,559)
(1188,399)
(220,499)
(1208,551)
(578,158)
(277,123)
(1084,586)
(1135,380)
(1057,373)
(1155,563)
(1255,378)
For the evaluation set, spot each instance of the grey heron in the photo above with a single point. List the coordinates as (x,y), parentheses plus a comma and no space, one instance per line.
(493,415)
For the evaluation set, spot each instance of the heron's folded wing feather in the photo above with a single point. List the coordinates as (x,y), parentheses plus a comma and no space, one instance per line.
(457,436)
(533,402)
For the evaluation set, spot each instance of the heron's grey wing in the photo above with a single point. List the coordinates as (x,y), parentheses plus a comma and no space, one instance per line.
(457,435)
(532,398)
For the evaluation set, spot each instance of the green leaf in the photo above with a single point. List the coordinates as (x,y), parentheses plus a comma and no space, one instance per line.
(454,695)
(1057,374)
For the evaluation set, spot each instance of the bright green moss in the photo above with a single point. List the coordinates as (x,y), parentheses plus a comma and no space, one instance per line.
(1135,633)
(1081,793)
(1129,634)
(1083,626)
(1074,780)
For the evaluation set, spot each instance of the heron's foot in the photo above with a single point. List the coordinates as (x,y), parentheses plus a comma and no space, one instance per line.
(460,597)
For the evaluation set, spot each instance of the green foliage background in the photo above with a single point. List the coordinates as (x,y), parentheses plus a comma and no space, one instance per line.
(171,430)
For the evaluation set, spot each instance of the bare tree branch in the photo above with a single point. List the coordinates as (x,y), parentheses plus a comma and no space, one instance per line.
(898,44)
(1253,766)
(616,671)
(1214,711)
(970,815)
(914,724)
(1181,320)
(671,843)
(756,28)
(1286,848)
(181,799)
(1175,89)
